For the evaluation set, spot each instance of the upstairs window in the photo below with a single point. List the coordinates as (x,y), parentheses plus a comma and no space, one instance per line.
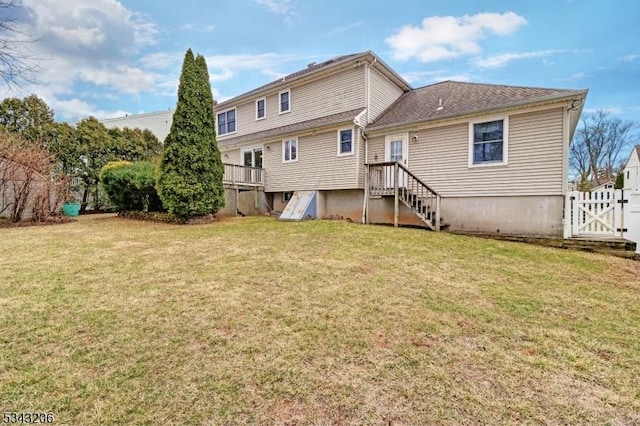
(261,109)
(285,101)
(488,142)
(345,141)
(227,122)
(290,150)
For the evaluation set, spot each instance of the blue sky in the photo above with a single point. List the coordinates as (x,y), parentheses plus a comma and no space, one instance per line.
(107,57)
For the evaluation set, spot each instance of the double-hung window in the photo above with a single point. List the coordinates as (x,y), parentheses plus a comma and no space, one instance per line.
(290,150)
(261,108)
(488,142)
(285,101)
(345,141)
(227,122)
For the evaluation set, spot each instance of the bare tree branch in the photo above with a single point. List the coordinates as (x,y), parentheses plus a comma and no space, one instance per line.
(18,65)
(595,154)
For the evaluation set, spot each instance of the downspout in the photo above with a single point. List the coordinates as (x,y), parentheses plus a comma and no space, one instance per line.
(358,123)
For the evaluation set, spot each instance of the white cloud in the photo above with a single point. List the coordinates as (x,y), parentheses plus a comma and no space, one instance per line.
(502,60)
(449,37)
(249,62)
(421,77)
(225,67)
(161,60)
(630,57)
(576,77)
(88,43)
(197,27)
(282,8)
(344,28)
(224,75)
(273,74)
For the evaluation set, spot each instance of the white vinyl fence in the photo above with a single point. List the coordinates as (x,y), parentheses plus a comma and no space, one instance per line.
(605,213)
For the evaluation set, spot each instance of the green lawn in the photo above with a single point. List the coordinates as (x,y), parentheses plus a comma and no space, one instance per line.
(254,321)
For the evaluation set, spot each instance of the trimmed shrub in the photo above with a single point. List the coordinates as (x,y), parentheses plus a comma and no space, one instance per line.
(131,186)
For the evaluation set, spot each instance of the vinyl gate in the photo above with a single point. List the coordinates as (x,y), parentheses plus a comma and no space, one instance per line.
(595,214)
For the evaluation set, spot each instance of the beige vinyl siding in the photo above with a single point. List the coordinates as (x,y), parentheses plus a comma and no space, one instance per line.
(440,157)
(231,156)
(340,92)
(318,166)
(383,93)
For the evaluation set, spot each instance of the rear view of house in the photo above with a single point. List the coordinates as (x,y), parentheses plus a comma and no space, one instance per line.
(368,146)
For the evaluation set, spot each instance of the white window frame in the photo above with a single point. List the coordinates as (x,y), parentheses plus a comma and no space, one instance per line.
(505,141)
(284,150)
(280,111)
(218,114)
(252,150)
(286,199)
(265,109)
(339,133)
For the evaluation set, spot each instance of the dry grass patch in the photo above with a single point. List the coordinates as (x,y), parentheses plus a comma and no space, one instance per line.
(254,321)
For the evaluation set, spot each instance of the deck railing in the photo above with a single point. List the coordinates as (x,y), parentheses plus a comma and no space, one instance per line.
(395,179)
(235,174)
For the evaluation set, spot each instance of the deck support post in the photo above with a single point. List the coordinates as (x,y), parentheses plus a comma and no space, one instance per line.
(365,202)
(237,199)
(396,198)
(437,212)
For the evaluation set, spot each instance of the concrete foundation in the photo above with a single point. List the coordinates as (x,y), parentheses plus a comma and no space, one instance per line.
(518,215)
(524,215)
(249,201)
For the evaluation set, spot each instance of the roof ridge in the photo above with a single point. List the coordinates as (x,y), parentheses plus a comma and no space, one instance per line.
(510,86)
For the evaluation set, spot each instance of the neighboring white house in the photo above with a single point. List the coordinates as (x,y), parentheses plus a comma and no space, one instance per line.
(483,157)
(606,185)
(632,194)
(632,171)
(159,123)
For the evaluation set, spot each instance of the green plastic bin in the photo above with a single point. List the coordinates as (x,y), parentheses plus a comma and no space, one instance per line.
(71,209)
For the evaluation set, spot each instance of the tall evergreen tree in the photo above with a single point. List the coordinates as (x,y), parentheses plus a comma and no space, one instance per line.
(190,176)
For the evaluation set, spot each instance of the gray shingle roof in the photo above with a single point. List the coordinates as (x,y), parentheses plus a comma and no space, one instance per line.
(329,120)
(456,98)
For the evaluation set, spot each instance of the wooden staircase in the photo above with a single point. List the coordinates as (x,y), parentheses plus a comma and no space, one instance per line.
(393,179)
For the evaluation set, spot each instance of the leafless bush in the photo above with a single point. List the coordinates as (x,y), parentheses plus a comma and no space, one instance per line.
(27,182)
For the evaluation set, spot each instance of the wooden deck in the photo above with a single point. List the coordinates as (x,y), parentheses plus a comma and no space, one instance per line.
(243,177)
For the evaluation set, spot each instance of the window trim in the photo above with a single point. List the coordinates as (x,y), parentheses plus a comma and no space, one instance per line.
(505,141)
(284,144)
(280,111)
(284,196)
(226,122)
(263,99)
(339,140)
(252,150)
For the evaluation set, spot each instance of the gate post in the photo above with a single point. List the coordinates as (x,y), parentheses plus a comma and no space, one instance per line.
(568,215)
